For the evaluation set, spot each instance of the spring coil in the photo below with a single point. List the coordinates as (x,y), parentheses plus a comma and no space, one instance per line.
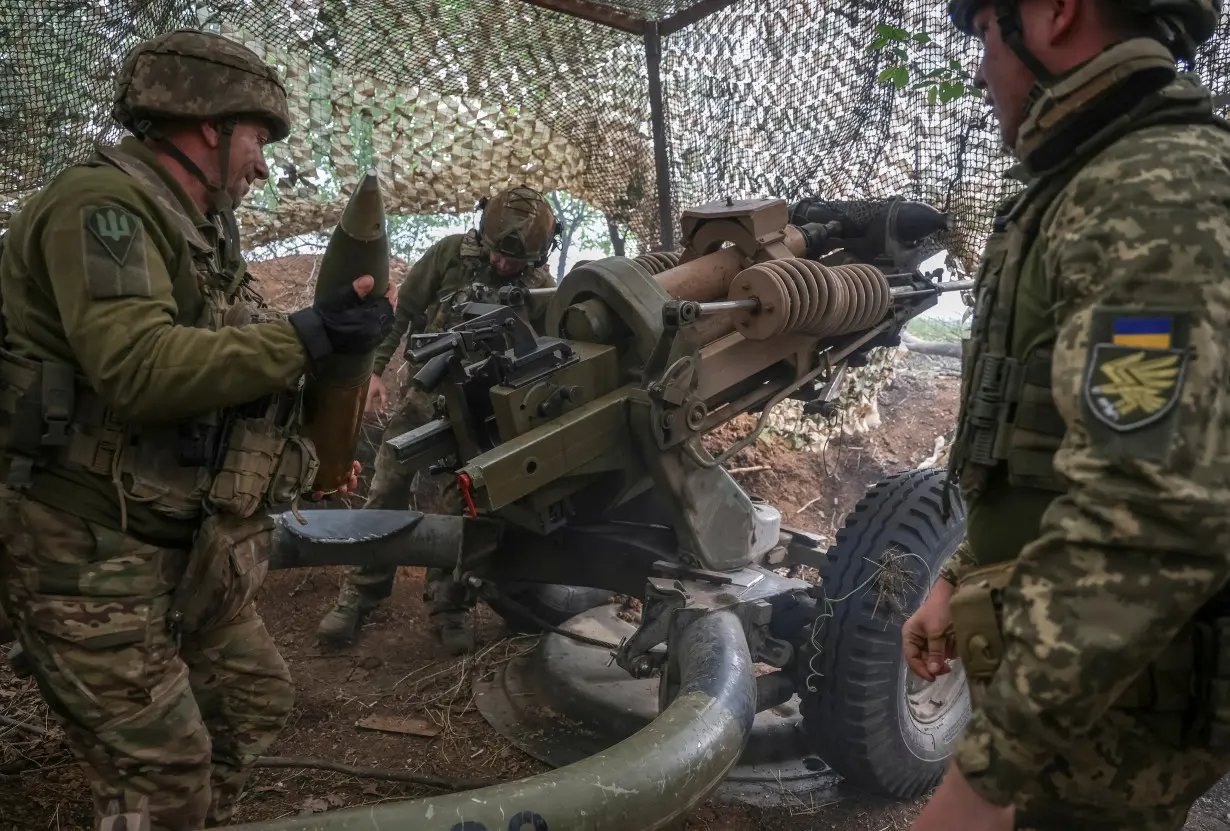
(803,296)
(658,261)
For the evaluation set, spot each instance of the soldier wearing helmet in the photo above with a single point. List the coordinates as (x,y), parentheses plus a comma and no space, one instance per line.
(1089,600)
(515,236)
(149,426)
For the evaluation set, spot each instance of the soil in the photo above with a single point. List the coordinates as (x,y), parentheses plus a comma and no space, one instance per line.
(397,670)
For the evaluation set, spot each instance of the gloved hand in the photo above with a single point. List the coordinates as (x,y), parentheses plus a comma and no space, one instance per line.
(342,323)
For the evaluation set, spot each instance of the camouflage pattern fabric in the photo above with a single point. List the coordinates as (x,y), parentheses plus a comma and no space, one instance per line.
(1137,251)
(519,222)
(177,717)
(119,278)
(393,489)
(449,266)
(147,353)
(452,264)
(192,74)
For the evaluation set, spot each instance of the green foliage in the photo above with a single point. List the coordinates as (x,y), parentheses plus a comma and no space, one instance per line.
(411,236)
(935,329)
(912,65)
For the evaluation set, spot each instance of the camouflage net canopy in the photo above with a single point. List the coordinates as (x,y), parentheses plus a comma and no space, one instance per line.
(453,99)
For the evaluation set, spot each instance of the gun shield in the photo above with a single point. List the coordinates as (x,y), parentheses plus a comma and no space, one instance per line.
(335,394)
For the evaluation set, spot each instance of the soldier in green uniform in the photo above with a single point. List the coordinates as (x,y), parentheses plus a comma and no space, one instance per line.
(510,247)
(148,425)
(1088,604)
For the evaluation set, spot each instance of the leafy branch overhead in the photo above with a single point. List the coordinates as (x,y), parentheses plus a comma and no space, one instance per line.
(940,83)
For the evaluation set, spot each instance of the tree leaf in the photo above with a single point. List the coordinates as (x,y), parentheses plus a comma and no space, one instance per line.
(884,30)
(951,91)
(898,76)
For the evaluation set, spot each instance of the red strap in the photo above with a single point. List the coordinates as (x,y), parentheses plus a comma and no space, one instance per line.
(464,479)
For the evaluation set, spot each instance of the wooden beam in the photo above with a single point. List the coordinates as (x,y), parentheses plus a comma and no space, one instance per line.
(693,13)
(594,13)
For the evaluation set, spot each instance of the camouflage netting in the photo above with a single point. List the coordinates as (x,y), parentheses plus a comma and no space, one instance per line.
(452,99)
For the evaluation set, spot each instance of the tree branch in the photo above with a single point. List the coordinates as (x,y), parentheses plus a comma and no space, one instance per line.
(926,347)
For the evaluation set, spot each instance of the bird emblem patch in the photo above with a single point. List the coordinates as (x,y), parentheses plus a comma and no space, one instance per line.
(1135,379)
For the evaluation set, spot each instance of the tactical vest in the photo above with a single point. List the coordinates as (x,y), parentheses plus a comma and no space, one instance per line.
(231,461)
(476,269)
(1008,421)
(1009,425)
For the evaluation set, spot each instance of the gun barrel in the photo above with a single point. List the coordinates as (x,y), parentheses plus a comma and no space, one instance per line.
(940,288)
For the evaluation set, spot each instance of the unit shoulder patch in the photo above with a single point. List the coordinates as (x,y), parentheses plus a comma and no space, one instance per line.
(113,254)
(1130,387)
(115,229)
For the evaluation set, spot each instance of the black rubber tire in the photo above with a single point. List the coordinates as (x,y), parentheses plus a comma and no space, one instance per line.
(858,719)
(550,602)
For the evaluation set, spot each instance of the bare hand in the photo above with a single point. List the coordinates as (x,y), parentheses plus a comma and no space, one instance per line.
(926,640)
(351,484)
(391,294)
(364,285)
(956,805)
(377,396)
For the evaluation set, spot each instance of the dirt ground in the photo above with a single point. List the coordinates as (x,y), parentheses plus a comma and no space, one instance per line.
(397,673)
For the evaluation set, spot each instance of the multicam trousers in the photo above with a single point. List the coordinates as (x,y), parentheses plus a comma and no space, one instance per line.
(1122,775)
(394,488)
(176,716)
(1131,771)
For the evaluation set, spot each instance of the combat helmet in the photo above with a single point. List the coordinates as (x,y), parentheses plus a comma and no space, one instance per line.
(191,74)
(1181,25)
(518,222)
(188,74)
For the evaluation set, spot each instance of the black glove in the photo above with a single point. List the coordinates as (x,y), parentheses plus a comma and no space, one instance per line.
(342,322)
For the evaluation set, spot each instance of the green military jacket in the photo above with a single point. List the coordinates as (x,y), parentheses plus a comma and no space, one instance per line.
(100,272)
(1094,444)
(451,265)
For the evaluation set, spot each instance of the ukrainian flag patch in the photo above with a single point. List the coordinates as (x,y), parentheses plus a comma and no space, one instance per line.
(1142,332)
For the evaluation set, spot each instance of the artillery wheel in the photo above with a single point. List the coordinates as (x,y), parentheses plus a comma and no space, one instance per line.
(883,729)
(550,602)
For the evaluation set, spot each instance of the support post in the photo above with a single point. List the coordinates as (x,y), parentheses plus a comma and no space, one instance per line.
(657,115)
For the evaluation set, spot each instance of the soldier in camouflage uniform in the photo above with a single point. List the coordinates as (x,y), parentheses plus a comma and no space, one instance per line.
(148,425)
(1093,448)
(515,236)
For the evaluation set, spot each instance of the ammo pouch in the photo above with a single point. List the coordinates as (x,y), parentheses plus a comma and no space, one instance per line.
(226,567)
(977,623)
(262,465)
(1183,695)
(230,463)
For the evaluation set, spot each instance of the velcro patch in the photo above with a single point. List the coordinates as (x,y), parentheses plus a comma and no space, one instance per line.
(1134,374)
(113,253)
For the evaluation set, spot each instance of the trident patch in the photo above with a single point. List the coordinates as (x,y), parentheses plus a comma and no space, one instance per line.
(115,229)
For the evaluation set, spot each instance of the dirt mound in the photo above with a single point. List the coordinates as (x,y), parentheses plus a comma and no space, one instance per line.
(286,283)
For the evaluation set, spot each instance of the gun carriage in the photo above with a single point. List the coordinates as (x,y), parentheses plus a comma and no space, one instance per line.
(577,454)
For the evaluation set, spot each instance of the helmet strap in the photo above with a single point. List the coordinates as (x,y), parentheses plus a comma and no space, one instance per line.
(1007,15)
(218,201)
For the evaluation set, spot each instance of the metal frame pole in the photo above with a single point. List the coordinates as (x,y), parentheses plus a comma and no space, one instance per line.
(657,115)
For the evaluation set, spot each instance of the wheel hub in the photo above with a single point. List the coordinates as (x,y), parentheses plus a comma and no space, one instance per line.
(930,701)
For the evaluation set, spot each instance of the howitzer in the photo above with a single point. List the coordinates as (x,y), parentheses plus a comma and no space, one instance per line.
(578,457)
